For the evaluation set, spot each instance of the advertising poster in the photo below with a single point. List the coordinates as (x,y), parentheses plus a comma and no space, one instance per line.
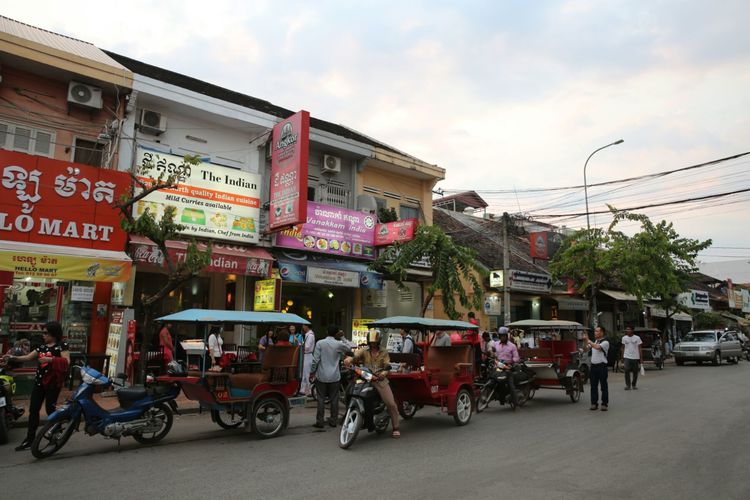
(395,232)
(267,295)
(290,150)
(359,330)
(211,201)
(332,230)
(55,266)
(539,246)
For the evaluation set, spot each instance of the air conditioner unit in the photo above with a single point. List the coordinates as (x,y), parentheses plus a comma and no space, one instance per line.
(152,122)
(331,164)
(84,95)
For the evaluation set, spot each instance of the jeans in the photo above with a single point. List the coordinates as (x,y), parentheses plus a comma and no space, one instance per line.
(330,390)
(40,394)
(512,389)
(597,377)
(632,366)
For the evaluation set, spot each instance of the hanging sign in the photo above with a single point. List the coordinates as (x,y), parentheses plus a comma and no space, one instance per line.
(334,277)
(393,232)
(81,293)
(530,282)
(695,299)
(538,244)
(53,266)
(290,149)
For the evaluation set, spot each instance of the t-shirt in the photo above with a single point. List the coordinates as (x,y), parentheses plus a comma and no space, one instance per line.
(408,345)
(443,340)
(215,343)
(631,344)
(599,356)
(46,350)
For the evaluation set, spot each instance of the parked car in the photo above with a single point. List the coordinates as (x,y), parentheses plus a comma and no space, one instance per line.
(708,345)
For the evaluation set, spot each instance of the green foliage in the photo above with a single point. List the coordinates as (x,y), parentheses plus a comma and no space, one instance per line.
(450,264)
(708,320)
(387,215)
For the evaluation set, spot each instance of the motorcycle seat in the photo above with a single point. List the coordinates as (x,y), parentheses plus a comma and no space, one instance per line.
(131,393)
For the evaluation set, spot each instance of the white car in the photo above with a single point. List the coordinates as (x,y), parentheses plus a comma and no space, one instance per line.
(708,345)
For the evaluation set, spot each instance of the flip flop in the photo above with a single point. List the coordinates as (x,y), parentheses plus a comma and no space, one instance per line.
(395,434)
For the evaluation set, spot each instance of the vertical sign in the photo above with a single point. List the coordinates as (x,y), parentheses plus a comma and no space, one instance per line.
(539,245)
(290,148)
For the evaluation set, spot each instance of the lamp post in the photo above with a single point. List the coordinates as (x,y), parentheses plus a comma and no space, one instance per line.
(592,309)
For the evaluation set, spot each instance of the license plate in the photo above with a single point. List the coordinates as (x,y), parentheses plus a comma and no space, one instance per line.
(2,401)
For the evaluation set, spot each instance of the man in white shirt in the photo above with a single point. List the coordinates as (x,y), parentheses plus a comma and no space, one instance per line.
(308,349)
(598,349)
(632,354)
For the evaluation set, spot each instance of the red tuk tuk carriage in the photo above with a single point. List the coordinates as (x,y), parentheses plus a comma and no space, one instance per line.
(444,378)
(260,400)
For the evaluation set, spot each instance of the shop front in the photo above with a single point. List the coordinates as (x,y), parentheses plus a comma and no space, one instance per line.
(61,249)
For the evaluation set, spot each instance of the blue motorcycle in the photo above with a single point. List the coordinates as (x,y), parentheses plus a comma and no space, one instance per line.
(145,413)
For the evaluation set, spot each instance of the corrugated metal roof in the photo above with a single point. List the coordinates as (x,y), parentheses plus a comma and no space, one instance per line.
(55,41)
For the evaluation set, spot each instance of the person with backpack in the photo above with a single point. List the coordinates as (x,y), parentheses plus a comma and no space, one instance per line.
(598,349)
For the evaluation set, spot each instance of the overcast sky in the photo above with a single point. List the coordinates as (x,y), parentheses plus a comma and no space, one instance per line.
(502,94)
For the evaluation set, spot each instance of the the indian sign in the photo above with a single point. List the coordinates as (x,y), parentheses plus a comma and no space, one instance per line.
(332,230)
(211,201)
(290,150)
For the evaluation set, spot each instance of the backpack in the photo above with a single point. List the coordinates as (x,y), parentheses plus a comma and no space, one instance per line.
(415,349)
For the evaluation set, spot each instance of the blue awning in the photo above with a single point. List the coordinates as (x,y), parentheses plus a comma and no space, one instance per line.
(239,317)
(415,323)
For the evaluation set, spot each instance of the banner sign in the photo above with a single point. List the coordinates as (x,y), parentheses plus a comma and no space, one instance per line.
(267,295)
(55,202)
(359,331)
(82,293)
(496,279)
(54,266)
(392,232)
(332,230)
(211,201)
(695,299)
(745,300)
(290,150)
(335,277)
(539,247)
(296,273)
(530,282)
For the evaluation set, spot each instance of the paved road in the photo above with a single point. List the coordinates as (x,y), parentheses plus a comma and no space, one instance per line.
(684,434)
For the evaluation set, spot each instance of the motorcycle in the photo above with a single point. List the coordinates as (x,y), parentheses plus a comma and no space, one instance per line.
(496,387)
(145,413)
(365,409)
(8,413)
(346,379)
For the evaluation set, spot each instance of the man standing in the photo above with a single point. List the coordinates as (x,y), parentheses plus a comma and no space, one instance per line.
(407,342)
(325,372)
(598,373)
(632,354)
(307,347)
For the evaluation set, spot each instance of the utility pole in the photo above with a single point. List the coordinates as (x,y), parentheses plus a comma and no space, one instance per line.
(506,271)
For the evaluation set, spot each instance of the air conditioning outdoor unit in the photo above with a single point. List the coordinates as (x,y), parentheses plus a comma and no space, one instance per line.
(84,95)
(331,164)
(152,122)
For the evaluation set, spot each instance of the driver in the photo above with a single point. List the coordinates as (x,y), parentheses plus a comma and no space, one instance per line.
(376,359)
(507,354)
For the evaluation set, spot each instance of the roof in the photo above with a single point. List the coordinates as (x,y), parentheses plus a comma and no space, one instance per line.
(541,323)
(211,90)
(461,201)
(622,296)
(239,317)
(415,322)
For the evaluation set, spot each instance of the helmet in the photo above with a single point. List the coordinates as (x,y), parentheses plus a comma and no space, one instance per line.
(373,336)
(175,369)
(503,330)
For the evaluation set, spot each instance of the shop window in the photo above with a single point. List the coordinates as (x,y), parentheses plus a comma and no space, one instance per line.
(88,152)
(26,139)
(311,193)
(408,212)
(381,203)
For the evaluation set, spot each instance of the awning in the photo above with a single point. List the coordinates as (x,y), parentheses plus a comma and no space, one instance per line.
(57,262)
(737,319)
(237,317)
(621,296)
(571,304)
(229,259)
(661,313)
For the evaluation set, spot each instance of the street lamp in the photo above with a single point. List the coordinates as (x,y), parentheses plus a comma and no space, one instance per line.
(593,316)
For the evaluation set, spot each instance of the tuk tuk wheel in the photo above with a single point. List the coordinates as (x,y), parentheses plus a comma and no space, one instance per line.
(226,420)
(269,418)
(463,407)
(407,410)
(575,391)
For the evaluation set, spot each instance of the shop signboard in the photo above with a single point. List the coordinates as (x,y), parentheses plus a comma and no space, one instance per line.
(570,304)
(117,340)
(267,295)
(496,279)
(529,282)
(745,300)
(359,330)
(390,254)
(296,273)
(290,149)
(82,293)
(211,201)
(333,277)
(374,298)
(370,280)
(332,230)
(55,266)
(730,295)
(395,232)
(695,299)
(493,305)
(53,202)
(538,244)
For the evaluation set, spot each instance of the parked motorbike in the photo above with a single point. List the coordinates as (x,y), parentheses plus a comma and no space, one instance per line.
(365,409)
(496,388)
(145,413)
(8,413)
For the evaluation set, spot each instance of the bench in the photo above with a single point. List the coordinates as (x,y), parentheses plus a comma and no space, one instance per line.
(279,367)
(444,364)
(412,361)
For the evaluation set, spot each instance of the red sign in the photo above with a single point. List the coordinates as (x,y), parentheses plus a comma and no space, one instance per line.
(392,232)
(55,202)
(290,149)
(539,245)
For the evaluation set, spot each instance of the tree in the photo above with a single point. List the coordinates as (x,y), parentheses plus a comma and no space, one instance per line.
(160,232)
(387,215)
(451,263)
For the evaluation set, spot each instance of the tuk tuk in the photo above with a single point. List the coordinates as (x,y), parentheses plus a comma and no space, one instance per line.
(259,400)
(444,377)
(652,347)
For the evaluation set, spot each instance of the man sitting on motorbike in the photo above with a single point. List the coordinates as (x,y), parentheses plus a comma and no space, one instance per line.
(507,354)
(376,359)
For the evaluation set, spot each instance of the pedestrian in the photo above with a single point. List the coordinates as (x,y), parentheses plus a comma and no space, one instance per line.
(632,354)
(215,345)
(309,346)
(598,350)
(264,343)
(473,319)
(53,358)
(442,339)
(166,342)
(325,373)
(407,342)
(295,338)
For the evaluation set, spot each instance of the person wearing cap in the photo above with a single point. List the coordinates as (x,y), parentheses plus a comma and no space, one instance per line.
(507,352)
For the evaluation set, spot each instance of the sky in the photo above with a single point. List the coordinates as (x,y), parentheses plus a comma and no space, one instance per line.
(507,96)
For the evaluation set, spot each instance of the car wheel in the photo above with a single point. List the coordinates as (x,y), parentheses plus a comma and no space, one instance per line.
(716,361)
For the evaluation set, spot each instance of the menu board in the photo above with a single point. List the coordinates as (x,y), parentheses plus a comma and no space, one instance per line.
(117,340)
(359,331)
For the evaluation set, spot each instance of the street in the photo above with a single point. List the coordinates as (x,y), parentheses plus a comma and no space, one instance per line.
(683,434)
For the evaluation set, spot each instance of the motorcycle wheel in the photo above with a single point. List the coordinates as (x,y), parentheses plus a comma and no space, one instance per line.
(52,437)
(227,420)
(3,425)
(575,392)
(407,410)
(160,412)
(350,428)
(523,395)
(485,396)
(463,407)
(269,418)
